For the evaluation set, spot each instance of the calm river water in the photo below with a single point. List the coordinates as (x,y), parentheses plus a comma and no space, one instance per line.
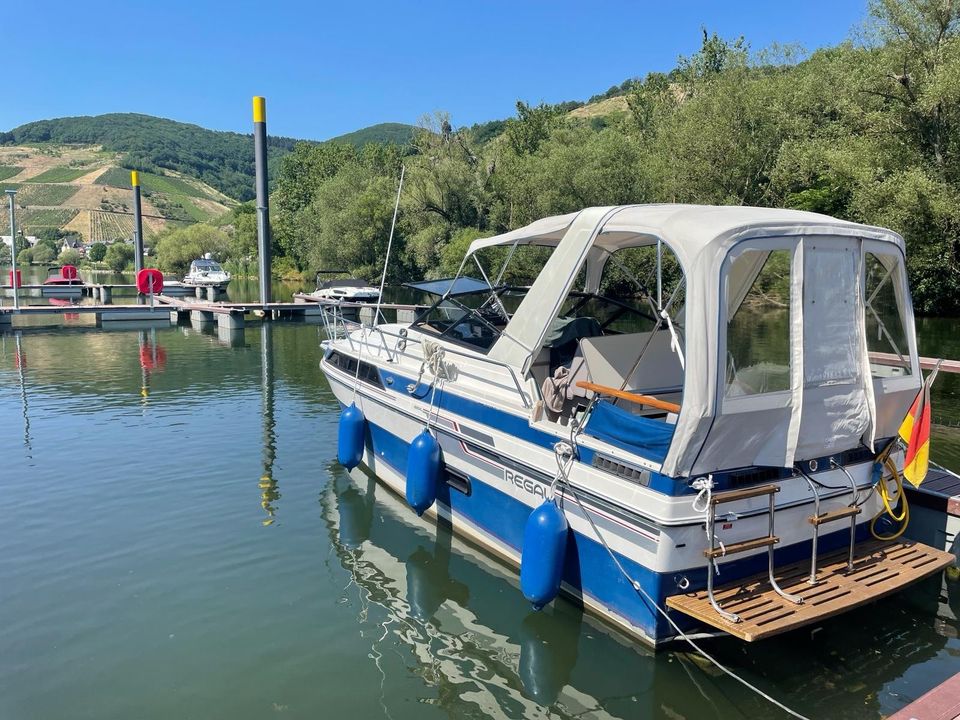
(178,541)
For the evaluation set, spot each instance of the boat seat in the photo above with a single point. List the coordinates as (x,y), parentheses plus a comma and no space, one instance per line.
(607,360)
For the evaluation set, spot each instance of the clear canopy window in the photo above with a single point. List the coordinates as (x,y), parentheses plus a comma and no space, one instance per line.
(884,310)
(474,311)
(757,289)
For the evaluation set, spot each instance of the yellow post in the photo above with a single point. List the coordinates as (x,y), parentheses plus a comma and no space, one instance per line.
(137,222)
(259,109)
(263,199)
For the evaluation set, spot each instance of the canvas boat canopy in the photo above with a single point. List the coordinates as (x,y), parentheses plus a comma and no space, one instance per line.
(449,286)
(822,397)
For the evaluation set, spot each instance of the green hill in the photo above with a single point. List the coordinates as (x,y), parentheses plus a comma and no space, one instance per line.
(224,160)
(384,133)
(83,189)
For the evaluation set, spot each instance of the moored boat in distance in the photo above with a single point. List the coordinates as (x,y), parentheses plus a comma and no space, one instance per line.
(206,272)
(345,288)
(62,282)
(684,396)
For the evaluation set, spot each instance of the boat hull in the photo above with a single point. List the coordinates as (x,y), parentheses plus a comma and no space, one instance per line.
(499,498)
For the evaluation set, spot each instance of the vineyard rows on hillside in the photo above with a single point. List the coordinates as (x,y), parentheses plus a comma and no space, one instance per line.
(107,227)
(60,175)
(120,177)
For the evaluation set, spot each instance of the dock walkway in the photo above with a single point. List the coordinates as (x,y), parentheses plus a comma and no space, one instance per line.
(941,703)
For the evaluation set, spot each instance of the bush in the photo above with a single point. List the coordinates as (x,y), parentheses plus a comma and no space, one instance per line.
(69,257)
(98,251)
(43,253)
(118,256)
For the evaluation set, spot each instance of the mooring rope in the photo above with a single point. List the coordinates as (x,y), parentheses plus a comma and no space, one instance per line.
(650,601)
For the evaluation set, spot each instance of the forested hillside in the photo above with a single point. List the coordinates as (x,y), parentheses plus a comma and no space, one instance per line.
(868,130)
(223,160)
(381,133)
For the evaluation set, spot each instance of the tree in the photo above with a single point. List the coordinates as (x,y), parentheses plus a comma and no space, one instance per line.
(532,126)
(98,251)
(243,241)
(348,223)
(118,256)
(176,249)
(69,257)
(50,234)
(43,253)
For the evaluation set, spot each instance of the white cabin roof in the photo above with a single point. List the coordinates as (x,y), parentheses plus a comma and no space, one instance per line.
(687,229)
(831,251)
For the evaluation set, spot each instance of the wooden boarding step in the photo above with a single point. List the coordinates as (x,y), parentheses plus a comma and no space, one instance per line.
(833,515)
(879,569)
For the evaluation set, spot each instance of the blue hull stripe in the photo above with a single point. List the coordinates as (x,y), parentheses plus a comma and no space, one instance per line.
(588,568)
(507,422)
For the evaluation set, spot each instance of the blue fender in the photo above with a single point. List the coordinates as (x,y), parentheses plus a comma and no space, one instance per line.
(544,552)
(423,471)
(351,436)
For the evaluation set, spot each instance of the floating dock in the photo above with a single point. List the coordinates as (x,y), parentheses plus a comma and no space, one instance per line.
(102,313)
(228,315)
(941,703)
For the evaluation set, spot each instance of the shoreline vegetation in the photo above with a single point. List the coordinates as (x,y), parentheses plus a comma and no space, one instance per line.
(867,130)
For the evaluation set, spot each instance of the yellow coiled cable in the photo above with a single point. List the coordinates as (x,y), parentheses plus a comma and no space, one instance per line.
(888,502)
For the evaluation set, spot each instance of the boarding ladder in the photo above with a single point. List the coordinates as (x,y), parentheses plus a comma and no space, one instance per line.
(767,541)
(817,519)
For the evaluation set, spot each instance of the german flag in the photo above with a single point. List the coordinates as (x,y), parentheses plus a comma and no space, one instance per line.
(915,431)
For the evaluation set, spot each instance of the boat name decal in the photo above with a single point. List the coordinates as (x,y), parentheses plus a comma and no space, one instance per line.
(524,483)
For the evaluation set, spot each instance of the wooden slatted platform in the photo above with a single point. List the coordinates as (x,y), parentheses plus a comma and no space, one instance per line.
(880,569)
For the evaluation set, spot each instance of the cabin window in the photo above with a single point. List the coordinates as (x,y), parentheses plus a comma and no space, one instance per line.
(885,311)
(367,372)
(757,291)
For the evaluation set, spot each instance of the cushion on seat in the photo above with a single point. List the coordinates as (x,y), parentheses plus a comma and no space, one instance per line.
(634,433)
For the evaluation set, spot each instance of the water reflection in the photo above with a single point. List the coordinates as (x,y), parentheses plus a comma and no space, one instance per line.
(153,358)
(475,641)
(473,638)
(269,491)
(20,364)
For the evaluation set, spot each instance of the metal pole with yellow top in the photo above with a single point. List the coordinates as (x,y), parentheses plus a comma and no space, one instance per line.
(13,251)
(137,222)
(263,199)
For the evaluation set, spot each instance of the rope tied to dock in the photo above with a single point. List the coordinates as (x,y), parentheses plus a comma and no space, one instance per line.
(680,633)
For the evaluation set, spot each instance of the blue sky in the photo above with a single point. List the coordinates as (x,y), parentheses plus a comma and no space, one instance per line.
(327,69)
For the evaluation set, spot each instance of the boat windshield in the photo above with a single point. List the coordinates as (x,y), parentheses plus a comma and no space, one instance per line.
(206,266)
(343,283)
(477,317)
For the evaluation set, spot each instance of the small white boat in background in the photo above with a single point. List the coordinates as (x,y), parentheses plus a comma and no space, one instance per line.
(349,289)
(207,272)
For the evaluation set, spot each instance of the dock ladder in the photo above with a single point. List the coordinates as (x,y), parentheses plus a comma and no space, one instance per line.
(767,541)
(818,518)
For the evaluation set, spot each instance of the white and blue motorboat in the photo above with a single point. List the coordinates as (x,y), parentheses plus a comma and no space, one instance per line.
(706,452)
